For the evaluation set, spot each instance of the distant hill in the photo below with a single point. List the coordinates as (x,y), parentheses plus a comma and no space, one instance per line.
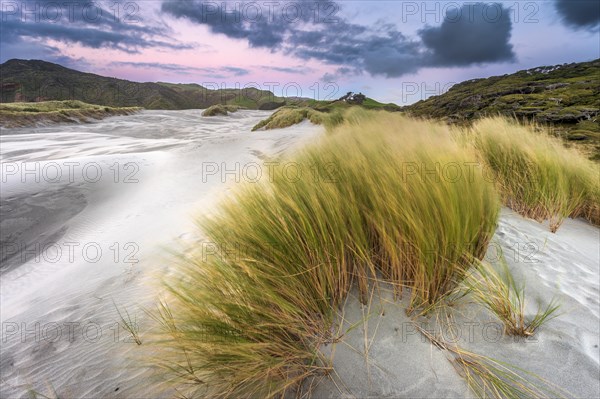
(35,80)
(565,96)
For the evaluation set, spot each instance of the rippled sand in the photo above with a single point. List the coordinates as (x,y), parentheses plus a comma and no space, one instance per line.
(97,231)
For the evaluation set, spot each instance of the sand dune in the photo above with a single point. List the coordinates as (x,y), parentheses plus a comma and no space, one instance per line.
(401,363)
(107,238)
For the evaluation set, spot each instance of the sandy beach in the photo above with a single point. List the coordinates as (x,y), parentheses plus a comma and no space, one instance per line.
(300,200)
(128,193)
(100,235)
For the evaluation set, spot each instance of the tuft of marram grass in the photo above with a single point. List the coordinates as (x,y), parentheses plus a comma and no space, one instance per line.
(491,378)
(247,316)
(220,109)
(289,116)
(502,295)
(130,325)
(536,175)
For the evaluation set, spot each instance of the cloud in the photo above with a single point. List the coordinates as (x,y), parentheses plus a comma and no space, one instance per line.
(300,69)
(308,30)
(235,71)
(579,13)
(354,48)
(222,72)
(87,24)
(479,33)
(28,50)
(255,22)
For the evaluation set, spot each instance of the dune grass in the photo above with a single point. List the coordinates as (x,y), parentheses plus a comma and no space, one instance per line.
(536,175)
(130,325)
(491,378)
(69,111)
(288,116)
(503,296)
(247,317)
(220,109)
(380,198)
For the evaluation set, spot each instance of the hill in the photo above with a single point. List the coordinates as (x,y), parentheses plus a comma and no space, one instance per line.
(35,80)
(566,97)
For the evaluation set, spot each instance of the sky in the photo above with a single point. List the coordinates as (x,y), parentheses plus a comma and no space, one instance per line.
(394,51)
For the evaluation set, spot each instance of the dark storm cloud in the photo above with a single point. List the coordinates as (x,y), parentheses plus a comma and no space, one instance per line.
(85,23)
(231,23)
(479,33)
(316,32)
(579,13)
(384,52)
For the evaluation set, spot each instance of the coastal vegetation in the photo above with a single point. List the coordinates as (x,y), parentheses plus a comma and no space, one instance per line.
(48,112)
(563,98)
(501,294)
(250,319)
(288,116)
(535,174)
(388,199)
(220,109)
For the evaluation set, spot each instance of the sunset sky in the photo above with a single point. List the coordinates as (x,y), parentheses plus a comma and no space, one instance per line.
(394,51)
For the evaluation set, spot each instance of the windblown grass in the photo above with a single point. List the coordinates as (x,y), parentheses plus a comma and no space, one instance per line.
(52,394)
(70,111)
(536,175)
(130,325)
(491,378)
(288,116)
(220,109)
(248,312)
(503,296)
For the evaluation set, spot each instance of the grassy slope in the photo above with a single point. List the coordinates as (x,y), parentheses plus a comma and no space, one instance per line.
(566,96)
(29,114)
(328,113)
(34,80)
(288,116)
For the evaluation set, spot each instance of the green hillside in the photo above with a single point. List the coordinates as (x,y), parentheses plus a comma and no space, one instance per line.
(566,97)
(34,80)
